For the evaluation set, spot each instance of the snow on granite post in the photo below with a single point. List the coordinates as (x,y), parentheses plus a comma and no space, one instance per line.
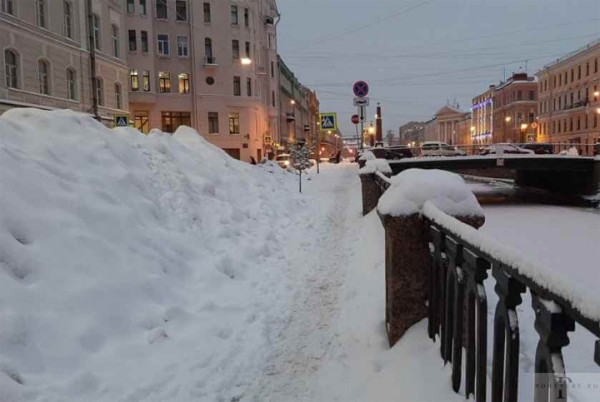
(371,191)
(364,157)
(407,238)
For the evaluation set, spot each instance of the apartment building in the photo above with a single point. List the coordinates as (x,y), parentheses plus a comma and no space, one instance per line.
(413,131)
(482,120)
(45,51)
(294,108)
(569,99)
(515,110)
(206,64)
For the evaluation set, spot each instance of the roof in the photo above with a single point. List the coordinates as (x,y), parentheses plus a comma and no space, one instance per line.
(570,55)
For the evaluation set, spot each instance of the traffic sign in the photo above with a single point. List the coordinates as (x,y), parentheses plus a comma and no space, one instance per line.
(328,121)
(361,101)
(355,119)
(360,89)
(121,120)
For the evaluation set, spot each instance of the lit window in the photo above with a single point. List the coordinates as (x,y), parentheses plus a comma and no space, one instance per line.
(234,123)
(135,80)
(184,83)
(164,80)
(146,80)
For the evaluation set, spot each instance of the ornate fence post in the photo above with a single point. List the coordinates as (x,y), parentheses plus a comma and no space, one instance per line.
(370,192)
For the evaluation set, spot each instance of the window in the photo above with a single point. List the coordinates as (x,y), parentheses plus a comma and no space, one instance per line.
(164,80)
(44,77)
(135,80)
(579,72)
(213,122)
(246,17)
(132,40)
(140,121)
(248,50)
(144,10)
(572,75)
(234,15)
(163,45)
(207,13)
(182,46)
(587,68)
(115,40)
(7,7)
(67,18)
(596,65)
(100,91)
(172,120)
(531,117)
(531,95)
(273,98)
(11,69)
(237,90)
(519,95)
(161,9)
(181,10)
(144,39)
(130,6)
(272,70)
(579,123)
(208,49)
(184,83)
(96,31)
(235,48)
(118,97)
(249,86)
(234,123)
(146,80)
(40,13)
(71,84)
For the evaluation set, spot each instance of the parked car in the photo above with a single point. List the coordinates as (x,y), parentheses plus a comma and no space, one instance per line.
(283,160)
(398,152)
(504,148)
(436,148)
(539,148)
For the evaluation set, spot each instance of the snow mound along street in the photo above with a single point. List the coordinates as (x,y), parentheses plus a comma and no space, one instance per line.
(122,271)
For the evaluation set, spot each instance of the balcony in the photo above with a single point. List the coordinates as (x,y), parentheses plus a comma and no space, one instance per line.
(290,117)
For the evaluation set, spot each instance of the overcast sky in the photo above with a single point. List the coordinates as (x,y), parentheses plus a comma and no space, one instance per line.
(417,54)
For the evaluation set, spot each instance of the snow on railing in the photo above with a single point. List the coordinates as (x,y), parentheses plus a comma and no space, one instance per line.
(461,258)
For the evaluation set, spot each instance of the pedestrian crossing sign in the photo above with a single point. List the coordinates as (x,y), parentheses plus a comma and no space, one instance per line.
(121,120)
(328,121)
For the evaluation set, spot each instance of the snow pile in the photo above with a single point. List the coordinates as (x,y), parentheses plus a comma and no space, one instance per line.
(376,165)
(367,156)
(413,187)
(569,152)
(125,267)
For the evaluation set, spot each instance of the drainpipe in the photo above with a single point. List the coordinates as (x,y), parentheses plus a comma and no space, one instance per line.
(92,60)
(194,72)
(278,84)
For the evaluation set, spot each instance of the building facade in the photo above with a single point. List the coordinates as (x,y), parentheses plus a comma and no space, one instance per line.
(482,120)
(569,100)
(515,110)
(444,126)
(294,108)
(210,65)
(47,61)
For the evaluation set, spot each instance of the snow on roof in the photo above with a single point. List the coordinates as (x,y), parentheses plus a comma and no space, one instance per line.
(413,187)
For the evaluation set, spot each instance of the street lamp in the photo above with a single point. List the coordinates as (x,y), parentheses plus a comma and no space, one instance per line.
(596,94)
(507,119)
(246,61)
(292,102)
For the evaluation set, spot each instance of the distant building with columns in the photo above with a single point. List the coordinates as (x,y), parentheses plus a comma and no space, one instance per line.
(445,125)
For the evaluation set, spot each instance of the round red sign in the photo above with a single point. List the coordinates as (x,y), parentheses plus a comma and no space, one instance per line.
(355,119)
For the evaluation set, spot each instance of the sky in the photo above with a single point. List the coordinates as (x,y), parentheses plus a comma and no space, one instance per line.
(417,55)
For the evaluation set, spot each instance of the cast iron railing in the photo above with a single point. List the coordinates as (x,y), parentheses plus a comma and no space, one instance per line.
(457,310)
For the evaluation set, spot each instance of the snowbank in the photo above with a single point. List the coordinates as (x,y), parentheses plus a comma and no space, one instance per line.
(125,267)
(413,187)
(376,165)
